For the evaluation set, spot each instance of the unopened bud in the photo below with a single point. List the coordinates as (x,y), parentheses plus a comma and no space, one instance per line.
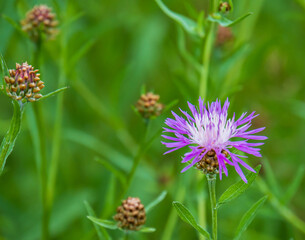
(148,105)
(40,20)
(131,214)
(21,84)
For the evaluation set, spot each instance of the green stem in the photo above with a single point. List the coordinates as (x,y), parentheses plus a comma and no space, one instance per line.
(207,52)
(135,164)
(43,168)
(126,235)
(212,191)
(41,150)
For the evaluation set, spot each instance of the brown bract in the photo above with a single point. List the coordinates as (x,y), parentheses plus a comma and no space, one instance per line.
(24,83)
(131,214)
(40,20)
(209,162)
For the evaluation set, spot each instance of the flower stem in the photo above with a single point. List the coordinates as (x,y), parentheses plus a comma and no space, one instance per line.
(126,235)
(40,149)
(212,191)
(207,52)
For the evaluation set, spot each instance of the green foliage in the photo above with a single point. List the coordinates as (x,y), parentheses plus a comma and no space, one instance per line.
(10,138)
(238,188)
(225,22)
(188,24)
(187,217)
(104,223)
(248,217)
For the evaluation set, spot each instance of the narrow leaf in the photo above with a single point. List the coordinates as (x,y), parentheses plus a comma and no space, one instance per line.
(104,223)
(156,201)
(100,231)
(52,93)
(225,22)
(248,217)
(147,230)
(294,186)
(238,188)
(187,217)
(188,24)
(9,139)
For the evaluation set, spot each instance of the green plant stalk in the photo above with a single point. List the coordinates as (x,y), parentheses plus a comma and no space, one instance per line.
(207,52)
(136,163)
(126,235)
(41,152)
(212,191)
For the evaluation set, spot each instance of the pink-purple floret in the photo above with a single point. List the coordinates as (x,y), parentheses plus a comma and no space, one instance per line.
(209,129)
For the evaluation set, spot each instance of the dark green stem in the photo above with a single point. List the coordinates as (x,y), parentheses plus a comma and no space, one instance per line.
(212,191)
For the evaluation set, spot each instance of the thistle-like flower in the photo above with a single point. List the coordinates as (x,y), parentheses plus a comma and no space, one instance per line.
(212,138)
(24,83)
(40,19)
(131,214)
(148,105)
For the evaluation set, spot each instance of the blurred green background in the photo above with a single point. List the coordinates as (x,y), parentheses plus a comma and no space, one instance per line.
(106,52)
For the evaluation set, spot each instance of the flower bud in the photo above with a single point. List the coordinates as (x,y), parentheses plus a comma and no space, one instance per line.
(24,83)
(148,105)
(40,20)
(131,214)
(224,7)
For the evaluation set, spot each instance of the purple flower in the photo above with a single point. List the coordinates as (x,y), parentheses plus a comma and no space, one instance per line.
(211,135)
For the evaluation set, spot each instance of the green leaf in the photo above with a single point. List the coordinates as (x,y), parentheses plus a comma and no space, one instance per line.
(238,188)
(104,223)
(120,175)
(248,217)
(156,201)
(9,139)
(52,93)
(187,217)
(294,185)
(188,24)
(147,230)
(225,22)
(100,231)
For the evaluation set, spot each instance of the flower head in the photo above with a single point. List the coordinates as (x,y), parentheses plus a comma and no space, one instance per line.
(40,19)
(148,105)
(24,83)
(212,137)
(131,214)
